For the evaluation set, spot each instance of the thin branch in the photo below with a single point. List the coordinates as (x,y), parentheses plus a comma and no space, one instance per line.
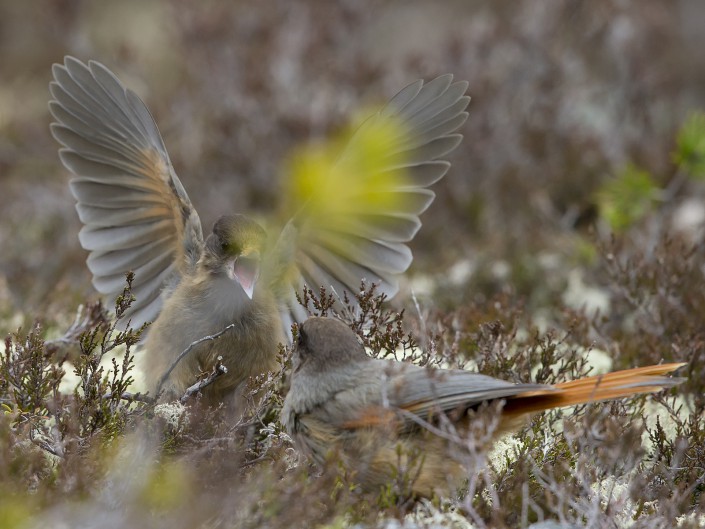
(87,317)
(131,397)
(256,460)
(422,320)
(218,371)
(186,351)
(53,448)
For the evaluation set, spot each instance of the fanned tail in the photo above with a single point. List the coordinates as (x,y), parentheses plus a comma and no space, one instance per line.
(625,383)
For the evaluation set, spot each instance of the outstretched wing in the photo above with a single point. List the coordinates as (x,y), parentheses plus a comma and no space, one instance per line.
(357,217)
(135,211)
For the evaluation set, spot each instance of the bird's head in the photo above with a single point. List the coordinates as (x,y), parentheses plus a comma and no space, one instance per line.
(235,248)
(326,343)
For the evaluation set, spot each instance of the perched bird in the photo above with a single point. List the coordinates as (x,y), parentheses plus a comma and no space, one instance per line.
(376,414)
(350,223)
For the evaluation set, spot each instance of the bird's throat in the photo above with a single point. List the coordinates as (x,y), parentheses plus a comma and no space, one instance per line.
(246,271)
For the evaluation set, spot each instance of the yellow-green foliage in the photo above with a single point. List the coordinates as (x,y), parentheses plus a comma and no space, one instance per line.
(627,198)
(15,510)
(690,146)
(167,486)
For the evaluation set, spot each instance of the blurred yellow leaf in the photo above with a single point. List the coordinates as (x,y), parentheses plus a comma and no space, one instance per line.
(15,509)
(167,487)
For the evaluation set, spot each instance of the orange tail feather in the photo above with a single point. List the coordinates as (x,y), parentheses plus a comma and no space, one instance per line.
(625,383)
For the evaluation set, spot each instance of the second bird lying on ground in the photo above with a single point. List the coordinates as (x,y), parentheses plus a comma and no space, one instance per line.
(137,216)
(383,417)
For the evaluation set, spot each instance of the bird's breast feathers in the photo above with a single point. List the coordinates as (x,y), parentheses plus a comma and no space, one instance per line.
(192,313)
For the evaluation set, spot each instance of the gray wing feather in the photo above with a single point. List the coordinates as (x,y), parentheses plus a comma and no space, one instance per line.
(124,259)
(359,239)
(135,212)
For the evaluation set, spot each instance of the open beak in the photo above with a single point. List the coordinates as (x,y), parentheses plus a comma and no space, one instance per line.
(246,272)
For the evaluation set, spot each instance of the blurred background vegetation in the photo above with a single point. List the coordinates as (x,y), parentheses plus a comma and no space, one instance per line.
(577,194)
(567,96)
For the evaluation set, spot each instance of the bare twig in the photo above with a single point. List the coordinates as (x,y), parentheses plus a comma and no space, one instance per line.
(54,448)
(131,397)
(218,370)
(186,351)
(256,460)
(87,317)
(422,319)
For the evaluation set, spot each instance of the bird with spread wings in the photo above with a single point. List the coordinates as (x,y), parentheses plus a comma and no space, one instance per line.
(349,223)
